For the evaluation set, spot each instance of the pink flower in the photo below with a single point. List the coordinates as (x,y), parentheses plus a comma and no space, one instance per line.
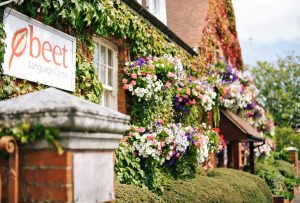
(180,99)
(125,87)
(148,58)
(198,87)
(186,96)
(168,85)
(133,76)
(155,58)
(188,91)
(151,67)
(177,95)
(179,89)
(133,83)
(170,153)
(150,137)
(193,102)
(170,75)
(178,155)
(162,143)
(154,142)
(139,130)
(124,80)
(198,143)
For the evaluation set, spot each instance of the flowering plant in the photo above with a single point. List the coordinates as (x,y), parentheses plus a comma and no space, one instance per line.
(257,117)
(216,140)
(193,92)
(265,149)
(147,77)
(166,143)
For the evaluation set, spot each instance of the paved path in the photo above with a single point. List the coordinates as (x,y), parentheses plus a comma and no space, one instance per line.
(297,198)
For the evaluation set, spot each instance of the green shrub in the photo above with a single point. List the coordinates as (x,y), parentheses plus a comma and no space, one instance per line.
(285,168)
(250,187)
(220,185)
(273,178)
(199,189)
(135,194)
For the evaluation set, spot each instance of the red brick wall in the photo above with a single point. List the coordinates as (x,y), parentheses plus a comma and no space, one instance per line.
(44,176)
(187,19)
(123,56)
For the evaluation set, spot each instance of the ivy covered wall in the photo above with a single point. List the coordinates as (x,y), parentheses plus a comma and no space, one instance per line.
(219,38)
(84,19)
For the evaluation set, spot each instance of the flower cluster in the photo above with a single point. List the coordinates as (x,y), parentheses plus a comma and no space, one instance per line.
(257,117)
(216,140)
(237,92)
(147,88)
(235,89)
(193,92)
(166,142)
(147,77)
(265,149)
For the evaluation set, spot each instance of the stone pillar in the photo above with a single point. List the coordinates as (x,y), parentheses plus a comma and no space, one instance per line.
(293,154)
(89,135)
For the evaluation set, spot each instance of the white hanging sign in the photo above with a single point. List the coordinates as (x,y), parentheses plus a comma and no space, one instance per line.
(37,52)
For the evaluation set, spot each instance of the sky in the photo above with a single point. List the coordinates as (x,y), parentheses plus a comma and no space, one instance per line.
(267,28)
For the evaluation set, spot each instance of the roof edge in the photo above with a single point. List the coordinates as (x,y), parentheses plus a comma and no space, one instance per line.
(245,131)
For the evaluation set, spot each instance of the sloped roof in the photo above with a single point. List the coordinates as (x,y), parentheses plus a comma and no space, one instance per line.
(235,128)
(187,19)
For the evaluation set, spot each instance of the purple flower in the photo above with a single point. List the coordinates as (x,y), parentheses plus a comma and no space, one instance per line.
(140,61)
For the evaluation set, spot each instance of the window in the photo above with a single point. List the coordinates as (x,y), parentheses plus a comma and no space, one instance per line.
(106,65)
(156,7)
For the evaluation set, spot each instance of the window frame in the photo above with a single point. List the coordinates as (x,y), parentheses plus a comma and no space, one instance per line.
(113,88)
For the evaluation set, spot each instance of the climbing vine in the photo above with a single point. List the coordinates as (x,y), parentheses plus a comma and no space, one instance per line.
(219,38)
(25,133)
(84,19)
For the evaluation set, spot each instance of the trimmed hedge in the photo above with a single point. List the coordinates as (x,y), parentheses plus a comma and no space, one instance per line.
(251,188)
(199,189)
(135,194)
(285,168)
(220,185)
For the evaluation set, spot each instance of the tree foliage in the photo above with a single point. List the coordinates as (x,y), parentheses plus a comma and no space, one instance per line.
(279,86)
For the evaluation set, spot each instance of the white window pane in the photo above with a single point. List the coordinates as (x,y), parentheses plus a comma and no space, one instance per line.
(102,74)
(103,55)
(155,6)
(110,58)
(110,77)
(96,65)
(96,53)
(105,98)
(144,3)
